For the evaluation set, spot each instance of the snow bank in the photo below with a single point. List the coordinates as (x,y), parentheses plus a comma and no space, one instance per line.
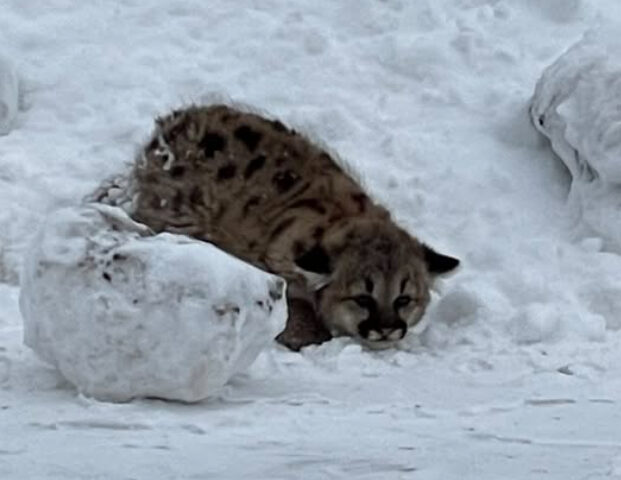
(123,314)
(577,105)
(9,95)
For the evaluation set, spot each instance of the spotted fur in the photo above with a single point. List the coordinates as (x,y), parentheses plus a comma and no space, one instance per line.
(268,195)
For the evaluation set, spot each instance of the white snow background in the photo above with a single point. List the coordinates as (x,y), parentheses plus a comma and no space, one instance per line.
(518,375)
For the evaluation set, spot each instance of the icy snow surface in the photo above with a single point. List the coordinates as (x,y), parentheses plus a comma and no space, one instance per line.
(9,95)
(577,104)
(125,314)
(518,375)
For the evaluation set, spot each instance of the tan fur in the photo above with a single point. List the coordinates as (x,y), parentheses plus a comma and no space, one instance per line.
(266,194)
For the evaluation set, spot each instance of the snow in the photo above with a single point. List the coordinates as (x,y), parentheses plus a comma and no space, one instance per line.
(577,105)
(124,314)
(9,95)
(517,375)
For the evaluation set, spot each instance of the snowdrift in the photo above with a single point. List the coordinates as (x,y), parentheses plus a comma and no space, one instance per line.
(9,95)
(577,105)
(123,313)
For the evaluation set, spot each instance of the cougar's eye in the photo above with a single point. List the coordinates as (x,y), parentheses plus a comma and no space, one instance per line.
(402,301)
(364,301)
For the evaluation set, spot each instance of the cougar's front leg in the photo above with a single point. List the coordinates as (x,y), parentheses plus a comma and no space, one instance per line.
(303,325)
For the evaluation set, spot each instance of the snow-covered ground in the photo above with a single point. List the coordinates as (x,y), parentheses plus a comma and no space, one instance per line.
(517,375)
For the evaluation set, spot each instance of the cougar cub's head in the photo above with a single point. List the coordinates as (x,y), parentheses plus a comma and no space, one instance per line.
(376,281)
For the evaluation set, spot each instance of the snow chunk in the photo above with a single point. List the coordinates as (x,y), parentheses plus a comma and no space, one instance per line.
(124,314)
(545,322)
(9,95)
(577,105)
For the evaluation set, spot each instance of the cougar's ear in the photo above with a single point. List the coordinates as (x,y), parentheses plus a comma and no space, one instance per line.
(437,264)
(315,266)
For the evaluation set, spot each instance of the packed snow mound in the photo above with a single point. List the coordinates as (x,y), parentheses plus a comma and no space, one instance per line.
(9,95)
(577,105)
(123,313)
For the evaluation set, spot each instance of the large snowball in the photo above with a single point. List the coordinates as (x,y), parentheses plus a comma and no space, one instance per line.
(577,105)
(124,314)
(9,95)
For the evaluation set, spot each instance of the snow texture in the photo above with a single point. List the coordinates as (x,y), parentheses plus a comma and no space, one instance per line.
(124,314)
(9,95)
(517,375)
(577,105)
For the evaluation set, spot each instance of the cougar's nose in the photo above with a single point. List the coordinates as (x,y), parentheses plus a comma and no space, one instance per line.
(379,333)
